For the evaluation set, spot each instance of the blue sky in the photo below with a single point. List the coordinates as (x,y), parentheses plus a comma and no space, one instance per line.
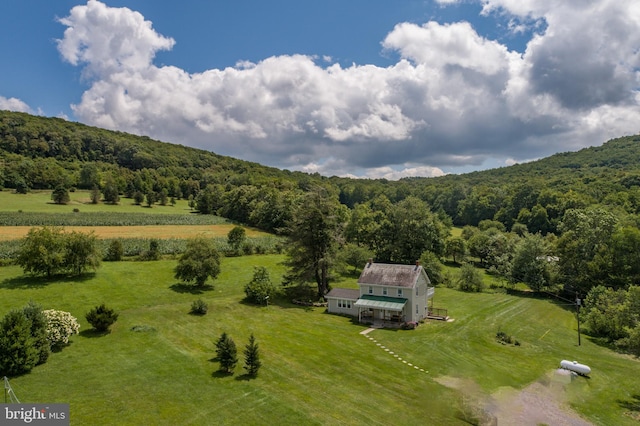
(365,88)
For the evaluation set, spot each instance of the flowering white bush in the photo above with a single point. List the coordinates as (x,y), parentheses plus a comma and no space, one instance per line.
(60,326)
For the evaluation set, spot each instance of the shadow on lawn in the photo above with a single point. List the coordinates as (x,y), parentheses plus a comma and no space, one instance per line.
(191,289)
(93,333)
(29,281)
(633,406)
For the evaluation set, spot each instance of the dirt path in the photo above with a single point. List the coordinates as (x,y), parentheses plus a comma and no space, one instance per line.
(542,402)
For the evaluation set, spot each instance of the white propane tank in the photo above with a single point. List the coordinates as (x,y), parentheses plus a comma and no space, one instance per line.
(576,367)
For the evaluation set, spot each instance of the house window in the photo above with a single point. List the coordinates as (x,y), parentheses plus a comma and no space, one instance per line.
(344,303)
(384,291)
(417,309)
(399,292)
(417,291)
(370,290)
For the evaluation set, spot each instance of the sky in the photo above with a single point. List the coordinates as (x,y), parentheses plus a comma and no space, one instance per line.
(358,88)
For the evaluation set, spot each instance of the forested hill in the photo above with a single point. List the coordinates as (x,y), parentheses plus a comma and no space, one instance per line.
(42,137)
(44,153)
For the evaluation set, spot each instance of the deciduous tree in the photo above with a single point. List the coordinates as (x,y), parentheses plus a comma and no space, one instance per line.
(42,251)
(81,252)
(199,261)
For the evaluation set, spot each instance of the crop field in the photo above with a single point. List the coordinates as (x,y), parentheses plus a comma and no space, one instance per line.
(8,233)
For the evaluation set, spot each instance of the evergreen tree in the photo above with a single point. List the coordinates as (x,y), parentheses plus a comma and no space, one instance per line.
(314,235)
(227,353)
(101,317)
(38,320)
(252,357)
(18,350)
(220,345)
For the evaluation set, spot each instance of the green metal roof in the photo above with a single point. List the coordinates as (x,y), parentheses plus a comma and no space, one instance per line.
(381,302)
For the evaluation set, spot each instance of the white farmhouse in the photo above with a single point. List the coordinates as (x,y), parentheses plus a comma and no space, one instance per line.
(387,292)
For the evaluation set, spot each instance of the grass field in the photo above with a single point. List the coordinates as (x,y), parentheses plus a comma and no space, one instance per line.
(40,201)
(317,368)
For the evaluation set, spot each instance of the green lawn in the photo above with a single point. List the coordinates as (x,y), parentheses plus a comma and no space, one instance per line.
(317,368)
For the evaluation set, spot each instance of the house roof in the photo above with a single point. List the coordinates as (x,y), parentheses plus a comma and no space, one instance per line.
(381,302)
(343,293)
(391,275)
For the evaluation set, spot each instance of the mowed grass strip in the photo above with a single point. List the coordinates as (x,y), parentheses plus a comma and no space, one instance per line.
(8,233)
(317,368)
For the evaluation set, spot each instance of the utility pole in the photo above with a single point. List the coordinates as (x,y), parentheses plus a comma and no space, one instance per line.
(578,303)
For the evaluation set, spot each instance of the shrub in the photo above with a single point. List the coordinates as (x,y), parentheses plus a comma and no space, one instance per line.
(505,339)
(115,251)
(409,325)
(101,317)
(60,326)
(469,279)
(199,307)
(260,288)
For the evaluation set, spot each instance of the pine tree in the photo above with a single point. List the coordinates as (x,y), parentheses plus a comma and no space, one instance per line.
(18,351)
(252,357)
(227,353)
(220,345)
(38,320)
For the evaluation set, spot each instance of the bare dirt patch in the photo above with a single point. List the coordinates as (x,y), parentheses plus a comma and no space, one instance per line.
(542,402)
(148,231)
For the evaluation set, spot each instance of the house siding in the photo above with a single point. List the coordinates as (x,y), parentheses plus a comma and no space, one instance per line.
(391,278)
(332,306)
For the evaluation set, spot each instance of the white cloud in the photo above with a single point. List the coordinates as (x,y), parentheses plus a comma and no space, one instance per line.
(453,98)
(13,104)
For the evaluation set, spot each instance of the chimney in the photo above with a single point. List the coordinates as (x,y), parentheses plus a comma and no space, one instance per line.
(370,261)
(417,264)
